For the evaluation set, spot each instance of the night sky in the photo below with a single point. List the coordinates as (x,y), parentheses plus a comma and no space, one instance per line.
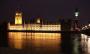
(49,9)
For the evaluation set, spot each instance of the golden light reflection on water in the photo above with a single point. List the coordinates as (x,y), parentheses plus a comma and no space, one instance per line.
(21,40)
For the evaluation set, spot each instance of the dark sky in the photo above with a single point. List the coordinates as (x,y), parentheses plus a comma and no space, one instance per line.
(50,9)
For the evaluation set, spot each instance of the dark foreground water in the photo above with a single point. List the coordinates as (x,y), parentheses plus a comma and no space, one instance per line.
(49,43)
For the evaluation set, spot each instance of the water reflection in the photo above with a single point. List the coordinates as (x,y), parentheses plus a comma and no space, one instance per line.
(76,44)
(50,43)
(84,41)
(45,42)
(81,44)
(88,45)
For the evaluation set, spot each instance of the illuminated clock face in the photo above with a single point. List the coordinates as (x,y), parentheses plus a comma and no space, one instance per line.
(76,14)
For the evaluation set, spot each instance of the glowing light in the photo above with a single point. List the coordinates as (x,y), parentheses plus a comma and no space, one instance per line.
(35,27)
(38,20)
(47,36)
(88,24)
(39,27)
(84,39)
(88,45)
(18,18)
(83,28)
(76,14)
(18,14)
(17,39)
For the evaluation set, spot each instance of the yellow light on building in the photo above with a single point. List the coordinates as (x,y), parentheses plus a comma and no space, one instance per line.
(35,27)
(18,18)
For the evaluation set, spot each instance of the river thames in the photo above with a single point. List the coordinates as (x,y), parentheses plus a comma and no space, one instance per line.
(49,43)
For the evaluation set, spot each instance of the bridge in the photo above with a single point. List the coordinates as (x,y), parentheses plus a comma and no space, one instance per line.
(86,29)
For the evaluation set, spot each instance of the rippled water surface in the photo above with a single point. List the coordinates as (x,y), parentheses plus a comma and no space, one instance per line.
(49,43)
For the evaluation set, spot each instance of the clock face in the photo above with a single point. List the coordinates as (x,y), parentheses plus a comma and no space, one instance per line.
(76,14)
